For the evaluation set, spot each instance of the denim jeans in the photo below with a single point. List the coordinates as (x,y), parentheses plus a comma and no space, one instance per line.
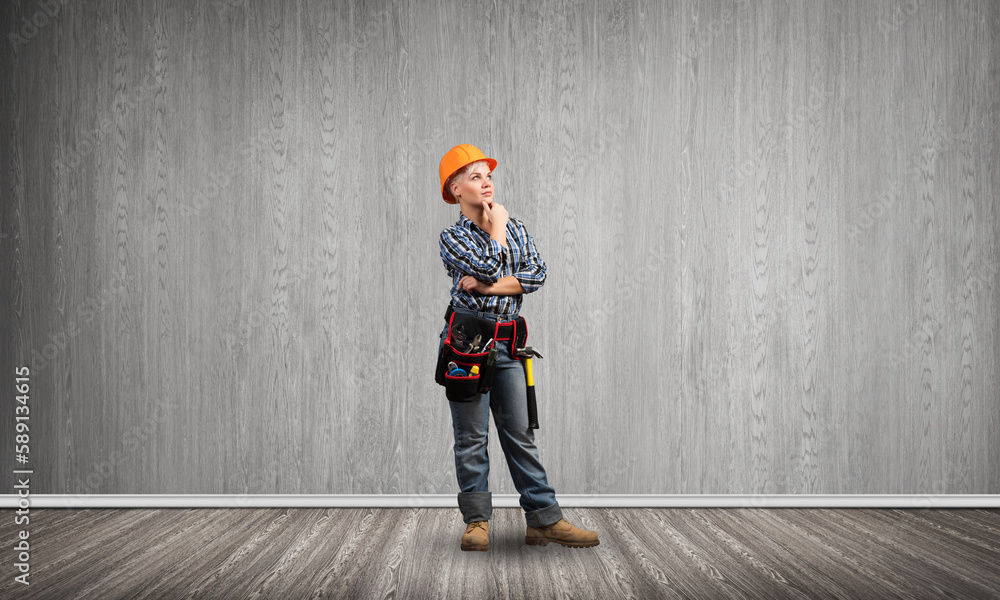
(507,399)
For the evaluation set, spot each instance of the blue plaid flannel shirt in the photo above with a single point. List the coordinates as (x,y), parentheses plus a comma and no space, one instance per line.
(468,250)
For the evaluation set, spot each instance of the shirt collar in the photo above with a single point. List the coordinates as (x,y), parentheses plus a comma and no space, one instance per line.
(468,223)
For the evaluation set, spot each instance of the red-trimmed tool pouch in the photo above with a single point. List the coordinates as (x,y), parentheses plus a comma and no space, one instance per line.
(462,331)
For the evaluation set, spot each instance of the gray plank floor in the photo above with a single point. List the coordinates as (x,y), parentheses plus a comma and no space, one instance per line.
(414,553)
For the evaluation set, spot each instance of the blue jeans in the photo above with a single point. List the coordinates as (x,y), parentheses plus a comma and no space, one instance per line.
(507,399)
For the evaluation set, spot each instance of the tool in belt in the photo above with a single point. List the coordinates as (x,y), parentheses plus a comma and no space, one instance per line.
(471,341)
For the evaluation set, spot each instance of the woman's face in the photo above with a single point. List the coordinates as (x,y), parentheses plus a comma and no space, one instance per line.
(475,187)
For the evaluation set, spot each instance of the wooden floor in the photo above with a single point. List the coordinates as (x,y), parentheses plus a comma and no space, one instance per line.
(414,553)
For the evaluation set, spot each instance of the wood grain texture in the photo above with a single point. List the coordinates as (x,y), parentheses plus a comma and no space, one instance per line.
(771,233)
(414,553)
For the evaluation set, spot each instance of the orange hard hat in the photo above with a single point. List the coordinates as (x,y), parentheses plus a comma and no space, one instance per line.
(455,159)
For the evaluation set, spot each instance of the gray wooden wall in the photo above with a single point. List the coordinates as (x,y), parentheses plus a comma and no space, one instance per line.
(771,230)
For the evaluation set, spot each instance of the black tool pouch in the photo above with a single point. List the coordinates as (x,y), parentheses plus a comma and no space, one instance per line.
(462,330)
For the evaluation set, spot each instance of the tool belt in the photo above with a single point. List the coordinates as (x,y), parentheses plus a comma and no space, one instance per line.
(472,341)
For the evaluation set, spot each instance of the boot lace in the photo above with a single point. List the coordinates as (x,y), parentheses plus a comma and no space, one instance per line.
(478,524)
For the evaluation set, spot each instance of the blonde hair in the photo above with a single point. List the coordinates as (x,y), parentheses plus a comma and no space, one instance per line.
(459,175)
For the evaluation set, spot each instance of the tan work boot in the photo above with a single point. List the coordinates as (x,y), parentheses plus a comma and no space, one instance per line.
(477,536)
(563,533)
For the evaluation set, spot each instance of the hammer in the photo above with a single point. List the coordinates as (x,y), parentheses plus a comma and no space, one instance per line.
(526,353)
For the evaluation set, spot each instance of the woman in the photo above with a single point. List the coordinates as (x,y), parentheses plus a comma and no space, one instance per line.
(493,262)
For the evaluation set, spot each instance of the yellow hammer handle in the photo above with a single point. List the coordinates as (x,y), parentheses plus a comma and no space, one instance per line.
(527,368)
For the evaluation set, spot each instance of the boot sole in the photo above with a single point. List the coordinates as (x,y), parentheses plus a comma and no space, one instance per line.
(475,548)
(546,541)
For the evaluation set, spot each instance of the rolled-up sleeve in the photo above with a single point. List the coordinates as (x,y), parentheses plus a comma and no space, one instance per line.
(531,270)
(460,253)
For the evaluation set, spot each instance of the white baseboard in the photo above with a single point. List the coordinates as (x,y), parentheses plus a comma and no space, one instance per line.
(500,501)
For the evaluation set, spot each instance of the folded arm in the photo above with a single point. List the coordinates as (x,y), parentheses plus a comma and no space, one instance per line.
(482,265)
(505,286)
(530,273)
(463,255)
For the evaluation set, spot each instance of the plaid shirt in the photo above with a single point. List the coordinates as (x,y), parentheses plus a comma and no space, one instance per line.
(468,250)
